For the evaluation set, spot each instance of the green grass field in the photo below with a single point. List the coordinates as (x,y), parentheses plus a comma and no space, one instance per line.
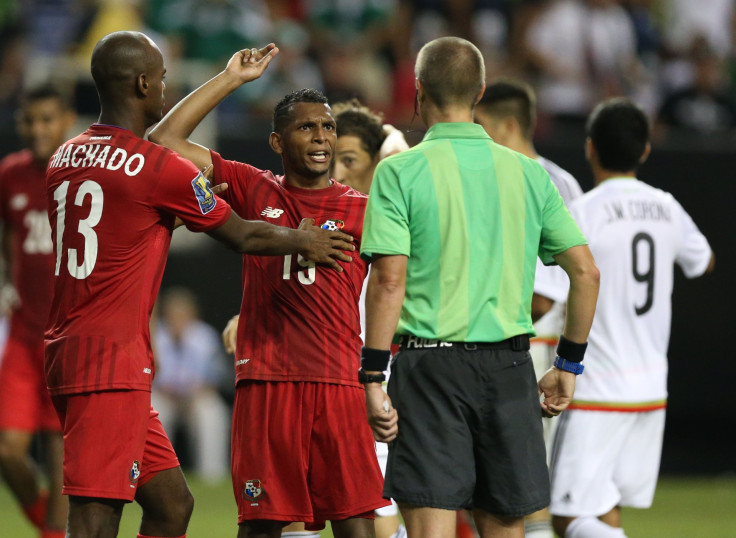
(697,507)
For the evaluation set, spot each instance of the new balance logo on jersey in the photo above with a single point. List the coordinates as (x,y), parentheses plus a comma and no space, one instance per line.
(272,213)
(241,362)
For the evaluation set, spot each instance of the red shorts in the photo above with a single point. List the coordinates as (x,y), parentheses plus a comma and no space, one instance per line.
(113,443)
(303,452)
(25,403)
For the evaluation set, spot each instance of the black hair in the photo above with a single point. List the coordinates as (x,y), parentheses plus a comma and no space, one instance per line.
(282,110)
(619,130)
(355,119)
(43,92)
(508,97)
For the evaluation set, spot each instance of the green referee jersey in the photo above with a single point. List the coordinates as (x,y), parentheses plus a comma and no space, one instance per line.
(472,216)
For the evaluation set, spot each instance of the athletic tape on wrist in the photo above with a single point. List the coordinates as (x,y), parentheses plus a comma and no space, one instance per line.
(374,360)
(571,351)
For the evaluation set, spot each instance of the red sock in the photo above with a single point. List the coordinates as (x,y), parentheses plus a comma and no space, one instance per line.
(53,533)
(37,511)
(144,536)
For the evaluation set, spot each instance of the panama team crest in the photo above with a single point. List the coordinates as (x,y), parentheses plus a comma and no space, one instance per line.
(253,490)
(333,225)
(134,473)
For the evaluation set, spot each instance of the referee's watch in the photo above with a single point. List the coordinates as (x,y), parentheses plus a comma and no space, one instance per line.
(568,366)
(364,378)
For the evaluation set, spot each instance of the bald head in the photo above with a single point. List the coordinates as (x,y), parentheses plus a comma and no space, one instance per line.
(452,72)
(119,58)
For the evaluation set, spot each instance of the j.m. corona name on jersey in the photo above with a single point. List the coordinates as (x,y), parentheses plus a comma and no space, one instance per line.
(97,155)
(636,210)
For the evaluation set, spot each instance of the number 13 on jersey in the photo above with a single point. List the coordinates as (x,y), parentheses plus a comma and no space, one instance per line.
(85,228)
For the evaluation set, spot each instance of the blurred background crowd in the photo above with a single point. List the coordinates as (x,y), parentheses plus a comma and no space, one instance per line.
(675,57)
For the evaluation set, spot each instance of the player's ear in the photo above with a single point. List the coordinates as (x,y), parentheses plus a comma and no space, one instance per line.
(480,94)
(645,155)
(589,149)
(275,142)
(141,84)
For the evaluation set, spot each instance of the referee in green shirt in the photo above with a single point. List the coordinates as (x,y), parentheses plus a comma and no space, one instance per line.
(453,228)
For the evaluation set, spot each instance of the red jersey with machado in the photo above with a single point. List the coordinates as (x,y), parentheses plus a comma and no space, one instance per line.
(23,212)
(298,322)
(112,197)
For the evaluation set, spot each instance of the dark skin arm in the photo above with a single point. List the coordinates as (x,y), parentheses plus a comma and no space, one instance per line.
(264,239)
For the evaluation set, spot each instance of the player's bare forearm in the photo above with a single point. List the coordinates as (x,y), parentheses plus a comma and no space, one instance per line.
(174,129)
(384,297)
(584,276)
(264,239)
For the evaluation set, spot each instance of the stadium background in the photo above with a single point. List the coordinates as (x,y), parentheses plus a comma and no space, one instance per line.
(365,48)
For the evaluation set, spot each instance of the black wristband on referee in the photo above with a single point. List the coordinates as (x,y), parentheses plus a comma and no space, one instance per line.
(374,360)
(571,351)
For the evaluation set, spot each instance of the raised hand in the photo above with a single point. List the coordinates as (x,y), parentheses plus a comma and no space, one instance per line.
(326,247)
(249,64)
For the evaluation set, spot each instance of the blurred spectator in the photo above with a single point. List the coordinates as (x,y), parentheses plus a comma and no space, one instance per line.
(583,51)
(210,30)
(685,21)
(190,366)
(705,106)
(350,41)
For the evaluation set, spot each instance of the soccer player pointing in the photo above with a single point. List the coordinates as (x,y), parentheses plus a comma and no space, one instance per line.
(113,198)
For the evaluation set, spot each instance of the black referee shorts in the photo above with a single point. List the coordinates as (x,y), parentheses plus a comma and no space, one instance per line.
(470,431)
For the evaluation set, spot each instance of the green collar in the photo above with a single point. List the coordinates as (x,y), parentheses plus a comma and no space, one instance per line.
(455,130)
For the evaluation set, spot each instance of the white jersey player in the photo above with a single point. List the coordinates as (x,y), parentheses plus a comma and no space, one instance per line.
(607,447)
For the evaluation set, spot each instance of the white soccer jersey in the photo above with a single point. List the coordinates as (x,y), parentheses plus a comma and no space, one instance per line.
(551,281)
(636,233)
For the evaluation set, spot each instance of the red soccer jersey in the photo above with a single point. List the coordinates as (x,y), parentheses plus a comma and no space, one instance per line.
(23,212)
(112,198)
(298,322)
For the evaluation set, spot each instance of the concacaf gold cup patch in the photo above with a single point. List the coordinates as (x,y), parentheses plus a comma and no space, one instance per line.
(203,192)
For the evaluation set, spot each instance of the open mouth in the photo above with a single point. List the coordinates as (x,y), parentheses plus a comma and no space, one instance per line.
(319,156)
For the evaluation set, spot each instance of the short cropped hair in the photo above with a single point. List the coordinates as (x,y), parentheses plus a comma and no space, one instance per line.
(43,92)
(451,70)
(508,97)
(355,119)
(282,110)
(619,130)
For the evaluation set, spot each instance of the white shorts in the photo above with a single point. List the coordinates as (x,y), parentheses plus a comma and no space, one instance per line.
(603,459)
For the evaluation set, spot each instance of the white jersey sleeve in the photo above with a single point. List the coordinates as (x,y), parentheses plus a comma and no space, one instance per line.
(694,254)
(551,281)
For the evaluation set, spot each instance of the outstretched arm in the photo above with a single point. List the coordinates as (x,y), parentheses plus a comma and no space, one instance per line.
(174,129)
(265,239)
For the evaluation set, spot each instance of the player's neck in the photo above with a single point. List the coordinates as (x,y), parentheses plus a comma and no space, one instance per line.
(307,182)
(526,148)
(123,119)
(600,175)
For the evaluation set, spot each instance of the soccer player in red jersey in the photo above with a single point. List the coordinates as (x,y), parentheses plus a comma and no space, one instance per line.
(299,450)
(25,405)
(112,199)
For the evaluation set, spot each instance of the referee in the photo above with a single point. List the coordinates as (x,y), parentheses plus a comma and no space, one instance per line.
(454,227)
